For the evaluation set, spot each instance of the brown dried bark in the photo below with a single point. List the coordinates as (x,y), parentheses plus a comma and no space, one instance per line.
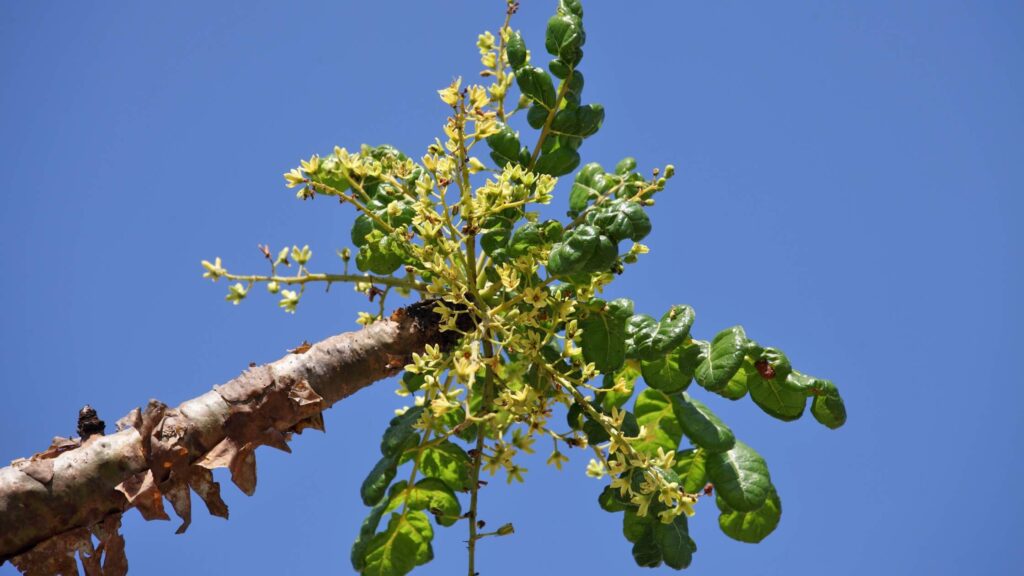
(52,504)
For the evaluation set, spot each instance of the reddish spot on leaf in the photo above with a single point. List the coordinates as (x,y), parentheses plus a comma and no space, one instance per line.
(765,369)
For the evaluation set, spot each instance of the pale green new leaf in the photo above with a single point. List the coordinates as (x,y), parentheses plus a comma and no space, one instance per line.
(654,411)
(448,462)
(403,546)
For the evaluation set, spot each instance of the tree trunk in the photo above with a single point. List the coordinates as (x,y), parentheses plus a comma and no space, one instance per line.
(52,504)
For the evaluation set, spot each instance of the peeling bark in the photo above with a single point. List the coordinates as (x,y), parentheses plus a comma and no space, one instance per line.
(52,504)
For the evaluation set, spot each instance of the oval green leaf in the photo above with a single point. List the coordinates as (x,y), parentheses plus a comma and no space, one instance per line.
(723,359)
(752,526)
(701,425)
(740,477)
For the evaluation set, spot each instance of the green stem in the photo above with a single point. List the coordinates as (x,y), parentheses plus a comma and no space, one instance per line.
(551,117)
(307,278)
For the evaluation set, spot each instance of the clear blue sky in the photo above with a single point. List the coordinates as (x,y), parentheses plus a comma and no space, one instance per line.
(849,189)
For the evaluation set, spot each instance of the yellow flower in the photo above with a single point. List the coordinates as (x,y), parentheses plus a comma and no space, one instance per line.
(214,270)
(595,469)
(478,97)
(294,177)
(556,459)
(289,300)
(536,297)
(450,95)
(485,41)
(475,165)
(312,166)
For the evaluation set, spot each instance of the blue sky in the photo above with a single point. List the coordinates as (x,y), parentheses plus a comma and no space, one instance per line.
(849,189)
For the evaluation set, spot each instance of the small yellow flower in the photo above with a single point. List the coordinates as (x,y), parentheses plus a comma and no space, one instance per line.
(294,177)
(536,297)
(485,41)
(475,165)
(311,166)
(214,270)
(450,95)
(595,469)
(556,459)
(478,97)
(289,300)
(515,473)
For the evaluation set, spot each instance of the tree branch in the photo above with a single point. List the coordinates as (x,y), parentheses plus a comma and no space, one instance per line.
(53,503)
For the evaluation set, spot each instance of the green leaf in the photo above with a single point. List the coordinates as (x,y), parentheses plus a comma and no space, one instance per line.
(603,334)
(751,526)
(404,545)
(611,500)
(366,532)
(584,187)
(633,526)
(504,146)
(496,233)
(448,462)
(701,425)
(360,228)
(413,381)
(525,238)
(565,37)
(737,386)
(646,551)
(537,116)
(776,360)
(579,121)
(626,165)
(654,411)
(377,481)
(583,250)
(432,495)
(828,407)
(627,376)
(515,50)
(400,434)
(740,477)
(640,332)
(673,329)
(620,219)
(558,68)
(674,541)
(723,359)
(380,254)
(574,7)
(673,371)
(536,85)
(559,162)
(771,394)
(690,464)
(803,383)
